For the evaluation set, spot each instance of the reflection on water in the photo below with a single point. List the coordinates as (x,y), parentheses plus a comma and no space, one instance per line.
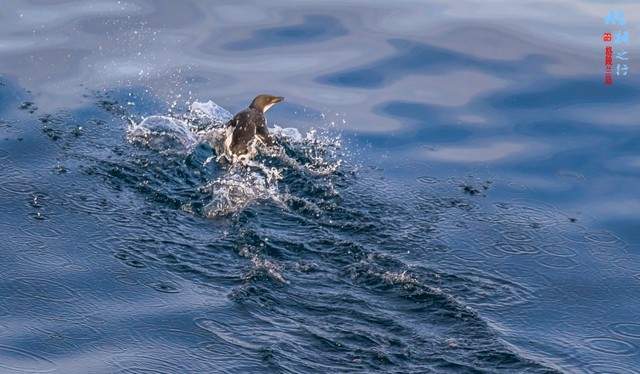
(465,202)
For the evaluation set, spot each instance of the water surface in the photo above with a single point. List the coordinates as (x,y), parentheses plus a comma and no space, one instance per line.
(461,195)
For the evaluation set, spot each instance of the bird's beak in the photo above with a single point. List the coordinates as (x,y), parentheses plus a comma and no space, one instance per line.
(278,99)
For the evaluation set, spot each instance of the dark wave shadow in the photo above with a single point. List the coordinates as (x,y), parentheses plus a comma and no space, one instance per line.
(312,29)
(411,57)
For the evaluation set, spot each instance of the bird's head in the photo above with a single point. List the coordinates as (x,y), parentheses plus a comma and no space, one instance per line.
(264,102)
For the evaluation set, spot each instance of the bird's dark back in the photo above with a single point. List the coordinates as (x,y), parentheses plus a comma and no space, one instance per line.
(245,124)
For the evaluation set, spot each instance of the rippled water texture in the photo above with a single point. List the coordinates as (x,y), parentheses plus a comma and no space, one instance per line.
(454,190)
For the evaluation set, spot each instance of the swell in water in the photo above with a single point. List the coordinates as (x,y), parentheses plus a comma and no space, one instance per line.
(313,251)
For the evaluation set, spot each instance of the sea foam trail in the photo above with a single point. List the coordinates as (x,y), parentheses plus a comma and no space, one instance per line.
(164,134)
(179,135)
(246,180)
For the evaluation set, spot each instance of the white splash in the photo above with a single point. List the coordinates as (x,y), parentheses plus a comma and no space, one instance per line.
(211,111)
(163,134)
(238,188)
(245,180)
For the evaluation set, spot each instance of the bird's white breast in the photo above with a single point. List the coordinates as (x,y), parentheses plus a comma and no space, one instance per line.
(267,107)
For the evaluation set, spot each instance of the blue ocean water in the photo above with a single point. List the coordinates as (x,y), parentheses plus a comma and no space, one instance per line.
(455,189)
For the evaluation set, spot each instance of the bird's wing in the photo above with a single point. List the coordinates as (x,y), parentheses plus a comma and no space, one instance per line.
(263,133)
